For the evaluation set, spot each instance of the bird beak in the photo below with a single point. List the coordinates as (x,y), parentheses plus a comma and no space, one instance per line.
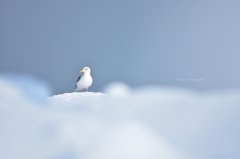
(81,71)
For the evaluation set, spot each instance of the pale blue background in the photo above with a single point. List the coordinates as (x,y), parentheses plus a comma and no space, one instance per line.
(188,43)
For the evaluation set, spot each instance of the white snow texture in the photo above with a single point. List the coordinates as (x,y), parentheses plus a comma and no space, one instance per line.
(146,123)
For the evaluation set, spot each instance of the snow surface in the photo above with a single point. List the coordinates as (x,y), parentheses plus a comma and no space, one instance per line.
(122,123)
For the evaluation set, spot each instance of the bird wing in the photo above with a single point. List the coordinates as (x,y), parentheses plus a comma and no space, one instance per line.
(77,81)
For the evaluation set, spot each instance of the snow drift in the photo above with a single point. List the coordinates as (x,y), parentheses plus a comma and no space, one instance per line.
(146,123)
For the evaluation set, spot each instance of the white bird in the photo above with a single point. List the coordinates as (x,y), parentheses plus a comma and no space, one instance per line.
(84,81)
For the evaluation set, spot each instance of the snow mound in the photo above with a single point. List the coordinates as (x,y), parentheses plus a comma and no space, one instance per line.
(148,123)
(117,89)
(75,95)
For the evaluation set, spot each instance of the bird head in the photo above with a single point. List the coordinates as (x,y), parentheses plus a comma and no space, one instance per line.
(85,70)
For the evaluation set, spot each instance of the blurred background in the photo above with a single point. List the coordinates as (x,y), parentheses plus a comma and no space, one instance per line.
(193,44)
